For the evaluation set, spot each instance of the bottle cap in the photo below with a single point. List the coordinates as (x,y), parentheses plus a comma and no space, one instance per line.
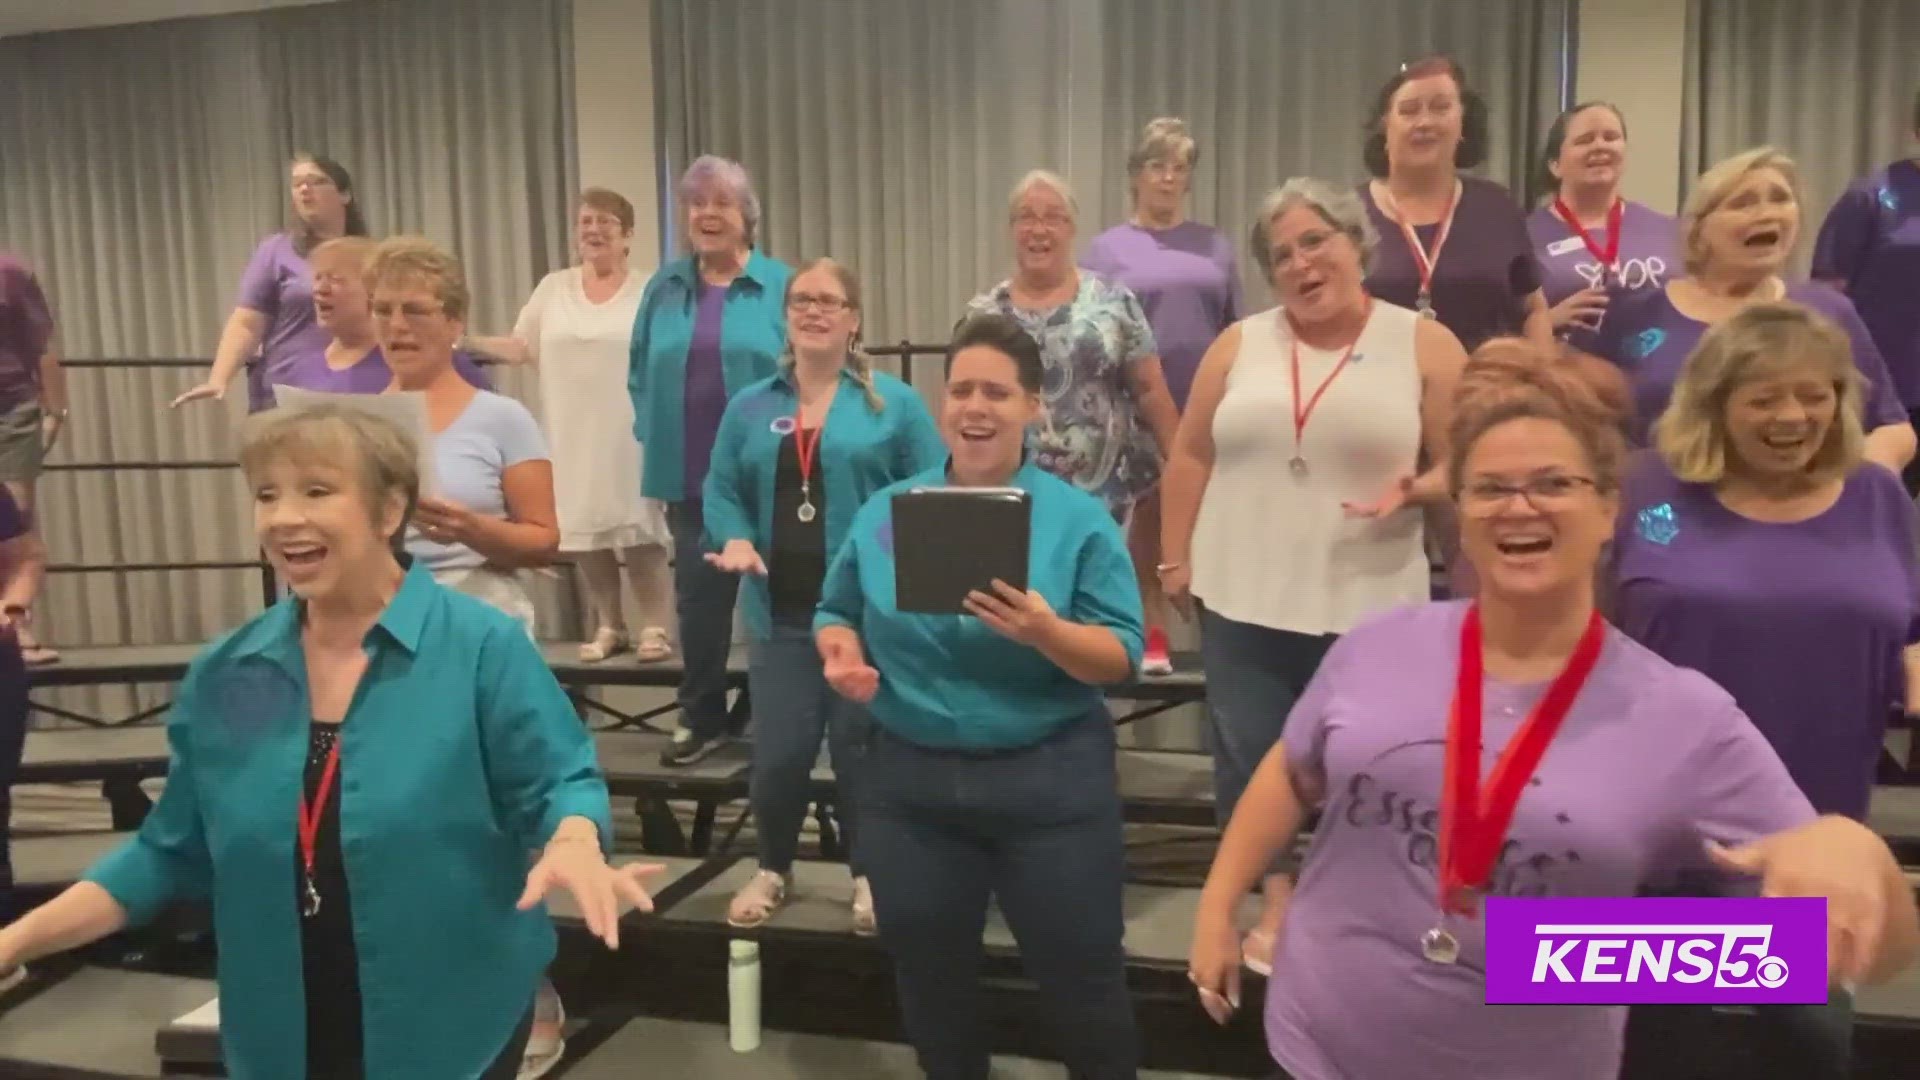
(743,950)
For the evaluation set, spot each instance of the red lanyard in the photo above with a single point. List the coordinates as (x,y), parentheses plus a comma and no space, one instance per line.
(310,819)
(1423,260)
(1303,411)
(1473,826)
(1609,258)
(805,445)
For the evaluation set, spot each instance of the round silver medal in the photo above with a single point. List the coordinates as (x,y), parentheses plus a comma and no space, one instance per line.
(806,512)
(1299,467)
(1439,946)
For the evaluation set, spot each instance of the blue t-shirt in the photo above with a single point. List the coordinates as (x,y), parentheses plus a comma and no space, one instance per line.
(494,434)
(950,681)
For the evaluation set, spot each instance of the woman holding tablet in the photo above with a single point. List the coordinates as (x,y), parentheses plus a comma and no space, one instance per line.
(991,768)
(796,456)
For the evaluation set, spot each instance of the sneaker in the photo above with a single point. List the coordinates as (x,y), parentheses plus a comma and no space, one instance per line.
(1156,662)
(547,1043)
(864,924)
(757,900)
(687,749)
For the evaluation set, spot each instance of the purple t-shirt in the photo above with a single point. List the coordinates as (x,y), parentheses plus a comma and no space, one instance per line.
(1186,279)
(1649,253)
(1485,272)
(706,391)
(278,284)
(1649,340)
(1802,622)
(26,326)
(1651,761)
(370,375)
(1871,245)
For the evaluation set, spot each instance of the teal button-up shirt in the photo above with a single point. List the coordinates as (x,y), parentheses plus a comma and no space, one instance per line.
(753,333)
(860,452)
(950,681)
(459,756)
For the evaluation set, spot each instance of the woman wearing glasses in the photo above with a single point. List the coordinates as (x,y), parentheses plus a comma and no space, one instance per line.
(1285,535)
(1109,420)
(796,455)
(1630,771)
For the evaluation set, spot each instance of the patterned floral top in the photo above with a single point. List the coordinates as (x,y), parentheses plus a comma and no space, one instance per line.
(1093,434)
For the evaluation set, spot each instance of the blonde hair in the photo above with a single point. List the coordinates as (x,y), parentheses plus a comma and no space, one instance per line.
(858,361)
(415,259)
(1716,184)
(384,458)
(351,250)
(1164,138)
(1762,341)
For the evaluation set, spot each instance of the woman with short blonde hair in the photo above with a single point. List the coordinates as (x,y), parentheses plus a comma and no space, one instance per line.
(1759,548)
(358,776)
(1737,231)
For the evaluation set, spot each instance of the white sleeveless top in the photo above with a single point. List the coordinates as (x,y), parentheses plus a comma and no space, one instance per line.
(1276,549)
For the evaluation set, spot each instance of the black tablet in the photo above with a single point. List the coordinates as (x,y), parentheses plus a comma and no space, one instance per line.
(949,541)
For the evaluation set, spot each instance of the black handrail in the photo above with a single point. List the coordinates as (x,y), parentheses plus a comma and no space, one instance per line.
(138,466)
(69,362)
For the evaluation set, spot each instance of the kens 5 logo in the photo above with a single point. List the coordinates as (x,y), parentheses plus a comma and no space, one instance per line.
(1656,951)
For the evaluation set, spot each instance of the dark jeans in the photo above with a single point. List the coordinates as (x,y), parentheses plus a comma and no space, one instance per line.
(504,1067)
(1039,829)
(13,741)
(797,709)
(1791,1042)
(703,598)
(1255,674)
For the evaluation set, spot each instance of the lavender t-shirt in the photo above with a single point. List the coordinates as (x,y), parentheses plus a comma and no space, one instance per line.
(1187,281)
(1802,622)
(1649,340)
(1486,270)
(1651,761)
(278,284)
(1871,245)
(1649,253)
(706,390)
(26,326)
(370,375)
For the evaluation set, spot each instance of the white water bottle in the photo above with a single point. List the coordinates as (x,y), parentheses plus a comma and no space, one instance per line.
(743,996)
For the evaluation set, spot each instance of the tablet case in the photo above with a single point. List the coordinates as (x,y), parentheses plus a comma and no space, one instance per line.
(949,541)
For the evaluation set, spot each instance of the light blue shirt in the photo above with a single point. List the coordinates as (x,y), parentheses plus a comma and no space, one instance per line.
(459,756)
(950,681)
(753,333)
(860,452)
(491,435)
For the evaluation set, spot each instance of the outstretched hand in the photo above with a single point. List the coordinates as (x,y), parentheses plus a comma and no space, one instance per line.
(598,889)
(1833,858)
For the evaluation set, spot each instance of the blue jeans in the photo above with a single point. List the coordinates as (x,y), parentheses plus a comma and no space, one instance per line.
(796,710)
(1255,674)
(703,599)
(1039,828)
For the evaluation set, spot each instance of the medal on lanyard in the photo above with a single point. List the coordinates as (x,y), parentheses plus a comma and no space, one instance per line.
(1610,255)
(1473,822)
(310,828)
(1423,260)
(1302,411)
(806,449)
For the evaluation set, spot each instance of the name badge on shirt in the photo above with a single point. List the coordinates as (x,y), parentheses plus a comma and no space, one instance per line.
(1571,243)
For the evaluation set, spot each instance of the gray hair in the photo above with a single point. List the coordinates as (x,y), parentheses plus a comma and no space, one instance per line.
(1046,179)
(1337,204)
(711,170)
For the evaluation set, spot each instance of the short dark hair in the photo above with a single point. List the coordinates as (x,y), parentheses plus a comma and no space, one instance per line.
(304,240)
(1474,123)
(1557,140)
(1002,334)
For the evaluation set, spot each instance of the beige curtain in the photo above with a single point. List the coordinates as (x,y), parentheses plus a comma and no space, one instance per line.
(1830,83)
(138,168)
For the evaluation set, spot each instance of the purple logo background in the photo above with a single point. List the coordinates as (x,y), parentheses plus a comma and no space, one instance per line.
(1676,951)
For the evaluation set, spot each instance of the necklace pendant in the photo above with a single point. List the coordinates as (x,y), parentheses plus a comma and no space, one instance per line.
(1439,946)
(310,902)
(806,513)
(1424,305)
(1298,466)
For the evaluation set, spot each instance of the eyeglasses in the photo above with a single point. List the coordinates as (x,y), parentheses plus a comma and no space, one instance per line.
(831,305)
(1027,219)
(1483,498)
(414,313)
(1309,244)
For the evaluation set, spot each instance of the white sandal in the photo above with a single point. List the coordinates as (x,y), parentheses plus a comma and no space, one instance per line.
(757,900)
(606,641)
(654,645)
